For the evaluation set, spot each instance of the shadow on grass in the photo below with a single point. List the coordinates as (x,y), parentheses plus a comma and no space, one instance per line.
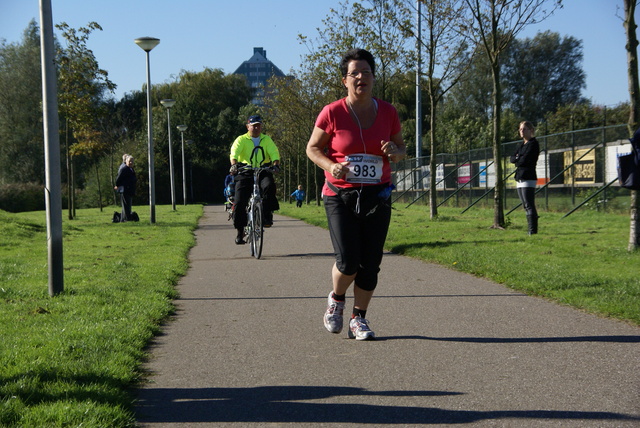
(38,387)
(401,249)
(285,404)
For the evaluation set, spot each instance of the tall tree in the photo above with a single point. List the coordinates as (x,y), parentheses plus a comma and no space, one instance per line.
(472,95)
(213,123)
(468,105)
(21,147)
(377,26)
(336,37)
(292,106)
(82,84)
(385,24)
(444,46)
(630,27)
(542,73)
(496,24)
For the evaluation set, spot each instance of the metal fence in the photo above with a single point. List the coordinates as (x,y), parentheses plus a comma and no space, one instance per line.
(575,169)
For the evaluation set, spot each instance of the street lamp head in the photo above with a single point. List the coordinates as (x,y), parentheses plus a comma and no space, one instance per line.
(168,103)
(182,128)
(147,43)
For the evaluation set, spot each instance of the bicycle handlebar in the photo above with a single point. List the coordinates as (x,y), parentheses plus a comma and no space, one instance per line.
(249,167)
(243,168)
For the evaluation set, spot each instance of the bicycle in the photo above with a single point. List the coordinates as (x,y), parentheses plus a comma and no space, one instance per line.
(254,230)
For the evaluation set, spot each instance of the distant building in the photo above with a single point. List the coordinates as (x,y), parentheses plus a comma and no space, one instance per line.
(258,70)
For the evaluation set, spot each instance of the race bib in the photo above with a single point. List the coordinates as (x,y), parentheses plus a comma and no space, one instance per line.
(364,168)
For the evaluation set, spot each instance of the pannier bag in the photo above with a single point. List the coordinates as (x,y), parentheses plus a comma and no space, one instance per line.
(629,165)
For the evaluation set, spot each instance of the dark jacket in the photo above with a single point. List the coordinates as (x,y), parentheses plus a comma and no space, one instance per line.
(525,159)
(127,178)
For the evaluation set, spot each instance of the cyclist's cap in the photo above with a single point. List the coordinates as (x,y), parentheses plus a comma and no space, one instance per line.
(254,119)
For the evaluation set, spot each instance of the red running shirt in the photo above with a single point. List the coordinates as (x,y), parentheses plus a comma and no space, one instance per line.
(335,119)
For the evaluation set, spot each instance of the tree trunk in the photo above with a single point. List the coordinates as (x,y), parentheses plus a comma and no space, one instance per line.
(68,158)
(494,55)
(72,196)
(634,114)
(498,195)
(632,64)
(99,188)
(433,193)
(634,238)
(113,179)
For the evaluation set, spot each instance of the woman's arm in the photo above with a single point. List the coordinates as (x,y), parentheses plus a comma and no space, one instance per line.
(514,157)
(315,151)
(316,146)
(395,148)
(528,154)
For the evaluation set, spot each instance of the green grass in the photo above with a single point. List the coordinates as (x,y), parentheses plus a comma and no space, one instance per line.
(581,260)
(72,359)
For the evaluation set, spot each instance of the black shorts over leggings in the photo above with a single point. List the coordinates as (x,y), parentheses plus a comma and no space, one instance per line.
(358,241)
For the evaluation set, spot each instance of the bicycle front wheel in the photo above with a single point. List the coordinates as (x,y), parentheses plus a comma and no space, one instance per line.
(256,226)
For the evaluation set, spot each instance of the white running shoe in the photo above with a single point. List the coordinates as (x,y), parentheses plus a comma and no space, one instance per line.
(333,315)
(359,329)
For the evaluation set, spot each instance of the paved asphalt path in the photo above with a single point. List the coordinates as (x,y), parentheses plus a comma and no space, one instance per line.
(247,347)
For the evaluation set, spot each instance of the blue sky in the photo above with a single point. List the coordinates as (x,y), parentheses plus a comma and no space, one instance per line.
(195,34)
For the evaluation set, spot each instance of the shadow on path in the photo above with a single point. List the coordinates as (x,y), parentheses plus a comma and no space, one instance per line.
(284,404)
(323,298)
(604,339)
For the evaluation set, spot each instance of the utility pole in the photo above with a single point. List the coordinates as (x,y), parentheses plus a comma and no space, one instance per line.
(53,193)
(418,92)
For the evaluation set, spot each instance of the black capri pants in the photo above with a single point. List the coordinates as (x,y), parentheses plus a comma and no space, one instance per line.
(358,240)
(243,184)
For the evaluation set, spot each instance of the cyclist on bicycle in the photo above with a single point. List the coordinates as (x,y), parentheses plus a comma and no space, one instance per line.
(240,155)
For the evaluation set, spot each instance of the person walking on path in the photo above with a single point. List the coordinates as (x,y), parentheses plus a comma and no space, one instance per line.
(240,155)
(126,186)
(353,141)
(299,195)
(525,159)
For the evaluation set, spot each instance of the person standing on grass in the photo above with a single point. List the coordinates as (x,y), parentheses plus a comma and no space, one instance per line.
(299,195)
(353,141)
(525,159)
(124,162)
(126,186)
